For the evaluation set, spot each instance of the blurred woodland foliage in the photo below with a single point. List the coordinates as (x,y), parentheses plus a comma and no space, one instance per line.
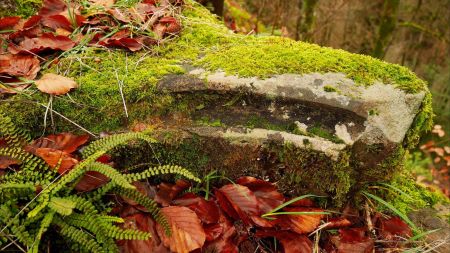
(413,33)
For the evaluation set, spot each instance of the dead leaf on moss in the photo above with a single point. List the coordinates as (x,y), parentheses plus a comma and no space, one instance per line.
(55,84)
(26,66)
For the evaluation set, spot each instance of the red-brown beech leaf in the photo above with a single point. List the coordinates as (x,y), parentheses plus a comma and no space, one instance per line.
(206,210)
(238,202)
(352,240)
(303,223)
(55,84)
(142,222)
(291,242)
(6,161)
(66,142)
(129,43)
(47,41)
(91,180)
(167,26)
(393,229)
(225,243)
(213,231)
(26,66)
(266,193)
(53,157)
(339,222)
(167,192)
(57,21)
(187,231)
(8,22)
(52,7)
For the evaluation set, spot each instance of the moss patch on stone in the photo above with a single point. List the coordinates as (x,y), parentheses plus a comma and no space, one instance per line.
(412,196)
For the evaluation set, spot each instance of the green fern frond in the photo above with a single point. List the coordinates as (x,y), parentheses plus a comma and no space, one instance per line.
(14,137)
(127,234)
(113,141)
(100,192)
(45,223)
(73,174)
(16,190)
(110,219)
(82,204)
(43,200)
(148,203)
(90,223)
(78,236)
(63,206)
(110,172)
(27,160)
(161,170)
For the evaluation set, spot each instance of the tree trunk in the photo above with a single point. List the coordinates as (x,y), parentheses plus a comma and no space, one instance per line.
(386,28)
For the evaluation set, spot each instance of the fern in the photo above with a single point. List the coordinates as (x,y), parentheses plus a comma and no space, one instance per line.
(79,218)
(161,170)
(83,205)
(16,190)
(62,206)
(110,172)
(46,221)
(113,141)
(14,137)
(78,236)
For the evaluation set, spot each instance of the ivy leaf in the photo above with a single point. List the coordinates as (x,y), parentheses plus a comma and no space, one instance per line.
(187,231)
(55,84)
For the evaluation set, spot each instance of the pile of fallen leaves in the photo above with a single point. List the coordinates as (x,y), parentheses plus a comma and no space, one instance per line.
(27,45)
(249,216)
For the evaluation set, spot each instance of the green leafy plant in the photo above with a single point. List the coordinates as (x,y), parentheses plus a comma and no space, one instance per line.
(35,199)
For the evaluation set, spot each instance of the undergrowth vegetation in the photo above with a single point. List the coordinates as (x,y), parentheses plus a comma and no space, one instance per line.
(34,198)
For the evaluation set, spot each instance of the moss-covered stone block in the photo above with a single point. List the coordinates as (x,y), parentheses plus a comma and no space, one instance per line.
(315,119)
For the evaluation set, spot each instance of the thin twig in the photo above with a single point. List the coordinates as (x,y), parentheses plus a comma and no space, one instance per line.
(71,121)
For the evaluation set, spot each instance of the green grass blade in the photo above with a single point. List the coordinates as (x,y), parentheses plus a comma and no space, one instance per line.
(416,237)
(293,201)
(393,209)
(294,213)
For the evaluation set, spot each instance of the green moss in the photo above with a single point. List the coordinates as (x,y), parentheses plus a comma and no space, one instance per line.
(306,171)
(329,88)
(22,8)
(414,196)
(321,132)
(97,103)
